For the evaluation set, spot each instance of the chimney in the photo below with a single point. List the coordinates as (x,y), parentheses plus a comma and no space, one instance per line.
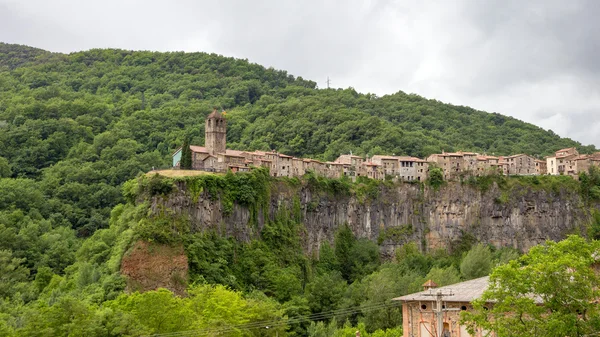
(429,285)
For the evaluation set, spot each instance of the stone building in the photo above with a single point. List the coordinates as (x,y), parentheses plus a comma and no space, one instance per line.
(452,164)
(420,311)
(541,167)
(557,164)
(520,164)
(488,165)
(352,162)
(388,164)
(470,162)
(422,169)
(215,133)
(576,164)
(372,170)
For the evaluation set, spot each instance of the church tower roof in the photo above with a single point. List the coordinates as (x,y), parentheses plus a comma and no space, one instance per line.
(215,114)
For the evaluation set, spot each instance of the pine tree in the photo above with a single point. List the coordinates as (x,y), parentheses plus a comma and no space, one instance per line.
(186,155)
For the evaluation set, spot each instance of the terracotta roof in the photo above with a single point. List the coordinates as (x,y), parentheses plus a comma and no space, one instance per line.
(450,154)
(429,283)
(233,153)
(567,149)
(516,155)
(406,158)
(215,114)
(567,156)
(198,149)
(371,164)
(384,157)
(284,155)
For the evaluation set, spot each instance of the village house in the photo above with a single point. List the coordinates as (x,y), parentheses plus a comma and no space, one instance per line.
(297,167)
(520,164)
(407,168)
(541,167)
(372,170)
(389,164)
(352,162)
(421,311)
(557,164)
(422,169)
(470,162)
(334,170)
(452,164)
(488,165)
(576,164)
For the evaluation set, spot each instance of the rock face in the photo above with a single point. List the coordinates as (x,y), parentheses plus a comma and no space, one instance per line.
(519,218)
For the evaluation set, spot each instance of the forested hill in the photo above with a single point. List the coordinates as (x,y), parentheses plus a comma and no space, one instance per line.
(81,124)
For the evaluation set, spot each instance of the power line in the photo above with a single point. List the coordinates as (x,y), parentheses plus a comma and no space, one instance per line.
(276,323)
(279,322)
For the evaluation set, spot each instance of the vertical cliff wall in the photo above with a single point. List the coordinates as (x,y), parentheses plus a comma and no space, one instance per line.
(519,217)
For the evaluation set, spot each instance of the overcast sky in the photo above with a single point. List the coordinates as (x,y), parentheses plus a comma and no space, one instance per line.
(535,60)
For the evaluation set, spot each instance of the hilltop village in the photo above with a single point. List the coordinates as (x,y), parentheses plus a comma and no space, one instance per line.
(215,157)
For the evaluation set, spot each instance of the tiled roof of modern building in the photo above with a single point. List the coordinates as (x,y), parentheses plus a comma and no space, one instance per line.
(461,292)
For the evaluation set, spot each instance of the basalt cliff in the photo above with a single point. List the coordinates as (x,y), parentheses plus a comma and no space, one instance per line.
(392,214)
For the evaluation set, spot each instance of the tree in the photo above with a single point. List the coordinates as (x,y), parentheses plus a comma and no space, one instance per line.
(436,177)
(325,292)
(5,170)
(477,262)
(343,244)
(12,273)
(443,276)
(186,155)
(550,291)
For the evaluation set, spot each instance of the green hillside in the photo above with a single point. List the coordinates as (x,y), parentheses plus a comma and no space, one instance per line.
(83,123)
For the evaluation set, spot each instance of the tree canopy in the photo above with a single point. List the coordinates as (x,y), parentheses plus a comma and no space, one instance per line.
(550,291)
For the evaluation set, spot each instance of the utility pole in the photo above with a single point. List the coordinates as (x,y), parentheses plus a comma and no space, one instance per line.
(328,82)
(439,311)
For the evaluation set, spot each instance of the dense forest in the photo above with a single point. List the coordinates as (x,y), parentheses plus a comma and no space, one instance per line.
(74,128)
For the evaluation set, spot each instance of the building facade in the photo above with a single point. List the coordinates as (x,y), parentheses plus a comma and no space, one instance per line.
(436,311)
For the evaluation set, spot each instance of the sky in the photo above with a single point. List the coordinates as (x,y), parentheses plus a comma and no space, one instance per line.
(536,60)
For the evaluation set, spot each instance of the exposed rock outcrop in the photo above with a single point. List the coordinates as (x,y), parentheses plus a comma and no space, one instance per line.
(521,217)
(149,266)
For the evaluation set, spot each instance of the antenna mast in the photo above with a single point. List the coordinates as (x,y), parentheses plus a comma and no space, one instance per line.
(328,82)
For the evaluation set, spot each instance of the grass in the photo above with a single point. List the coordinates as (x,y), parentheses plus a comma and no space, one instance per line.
(181,173)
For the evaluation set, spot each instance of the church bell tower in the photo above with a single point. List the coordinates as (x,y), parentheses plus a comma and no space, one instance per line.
(215,133)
